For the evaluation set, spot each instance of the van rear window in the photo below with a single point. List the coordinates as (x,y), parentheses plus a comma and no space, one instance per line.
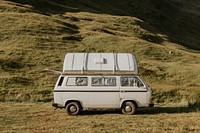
(60,81)
(77,81)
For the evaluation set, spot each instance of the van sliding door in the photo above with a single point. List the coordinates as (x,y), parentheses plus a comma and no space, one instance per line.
(104,93)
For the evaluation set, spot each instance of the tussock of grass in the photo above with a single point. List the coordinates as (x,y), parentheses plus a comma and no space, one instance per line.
(194,101)
(169,96)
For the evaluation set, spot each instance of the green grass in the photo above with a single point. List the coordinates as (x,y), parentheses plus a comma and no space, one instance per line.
(35,35)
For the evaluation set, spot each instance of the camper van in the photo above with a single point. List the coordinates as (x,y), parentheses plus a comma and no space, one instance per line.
(101,81)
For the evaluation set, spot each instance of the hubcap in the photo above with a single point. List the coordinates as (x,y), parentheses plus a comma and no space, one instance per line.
(72,109)
(128,108)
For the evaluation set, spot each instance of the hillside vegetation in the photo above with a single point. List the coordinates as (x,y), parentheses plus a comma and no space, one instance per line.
(163,35)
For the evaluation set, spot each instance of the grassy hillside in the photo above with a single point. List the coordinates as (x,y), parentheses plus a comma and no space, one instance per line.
(164,36)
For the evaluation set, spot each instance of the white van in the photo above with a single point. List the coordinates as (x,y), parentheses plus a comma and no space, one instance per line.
(101,81)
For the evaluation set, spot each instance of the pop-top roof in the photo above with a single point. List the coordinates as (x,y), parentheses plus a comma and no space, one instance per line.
(100,63)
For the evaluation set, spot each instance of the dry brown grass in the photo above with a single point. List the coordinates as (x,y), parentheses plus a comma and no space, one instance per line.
(40,117)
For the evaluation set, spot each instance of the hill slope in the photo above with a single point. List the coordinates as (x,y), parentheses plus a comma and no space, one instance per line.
(35,35)
(179,20)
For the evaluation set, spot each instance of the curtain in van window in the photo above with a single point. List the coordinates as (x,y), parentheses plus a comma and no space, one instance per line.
(131,81)
(77,81)
(103,81)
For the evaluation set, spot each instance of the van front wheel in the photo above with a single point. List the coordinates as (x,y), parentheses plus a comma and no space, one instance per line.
(72,108)
(128,108)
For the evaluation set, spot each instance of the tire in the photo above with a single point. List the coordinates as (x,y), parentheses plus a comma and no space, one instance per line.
(128,108)
(73,108)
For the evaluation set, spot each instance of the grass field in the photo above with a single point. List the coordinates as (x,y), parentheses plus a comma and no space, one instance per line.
(41,117)
(164,37)
(34,37)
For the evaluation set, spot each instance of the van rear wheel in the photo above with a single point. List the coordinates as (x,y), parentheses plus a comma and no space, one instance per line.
(128,108)
(73,108)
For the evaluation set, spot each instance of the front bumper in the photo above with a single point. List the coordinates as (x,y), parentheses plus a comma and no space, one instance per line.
(151,105)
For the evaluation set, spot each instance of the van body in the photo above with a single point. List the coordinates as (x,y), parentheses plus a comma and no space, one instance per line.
(84,86)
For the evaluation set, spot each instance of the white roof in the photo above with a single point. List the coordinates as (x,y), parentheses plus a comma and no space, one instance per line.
(100,63)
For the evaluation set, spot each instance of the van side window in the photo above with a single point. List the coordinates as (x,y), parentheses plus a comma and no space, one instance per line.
(110,81)
(131,81)
(103,81)
(97,81)
(77,81)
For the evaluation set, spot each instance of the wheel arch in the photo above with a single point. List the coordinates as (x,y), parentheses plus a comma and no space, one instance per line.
(133,101)
(69,101)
